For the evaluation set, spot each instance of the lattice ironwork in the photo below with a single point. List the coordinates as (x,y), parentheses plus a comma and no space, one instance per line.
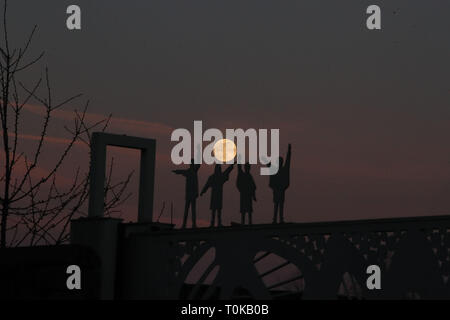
(309,261)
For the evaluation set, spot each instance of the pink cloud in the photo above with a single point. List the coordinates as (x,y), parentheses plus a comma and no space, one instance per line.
(47,139)
(116,124)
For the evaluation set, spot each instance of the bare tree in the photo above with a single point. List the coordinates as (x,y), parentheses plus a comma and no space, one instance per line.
(34,209)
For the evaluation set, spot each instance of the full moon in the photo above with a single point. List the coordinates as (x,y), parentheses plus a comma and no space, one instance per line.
(224,150)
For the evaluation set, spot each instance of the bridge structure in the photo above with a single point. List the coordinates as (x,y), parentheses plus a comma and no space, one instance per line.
(290,261)
(326,260)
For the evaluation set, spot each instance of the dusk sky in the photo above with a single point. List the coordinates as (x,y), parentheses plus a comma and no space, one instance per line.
(367,112)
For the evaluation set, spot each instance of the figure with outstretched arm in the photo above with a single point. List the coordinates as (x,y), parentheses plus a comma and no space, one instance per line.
(216,182)
(191,191)
(279,182)
(247,189)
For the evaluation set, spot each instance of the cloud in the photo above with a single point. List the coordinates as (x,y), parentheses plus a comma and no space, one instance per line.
(38,172)
(50,139)
(116,124)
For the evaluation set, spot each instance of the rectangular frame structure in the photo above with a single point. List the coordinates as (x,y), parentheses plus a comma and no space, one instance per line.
(99,142)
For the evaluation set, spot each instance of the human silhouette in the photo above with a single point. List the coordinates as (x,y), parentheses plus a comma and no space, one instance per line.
(279,182)
(247,188)
(191,191)
(216,182)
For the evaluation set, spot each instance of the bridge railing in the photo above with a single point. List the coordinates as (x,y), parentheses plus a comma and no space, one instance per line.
(295,260)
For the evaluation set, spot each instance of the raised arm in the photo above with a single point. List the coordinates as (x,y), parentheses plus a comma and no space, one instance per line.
(206,187)
(239,164)
(288,157)
(228,170)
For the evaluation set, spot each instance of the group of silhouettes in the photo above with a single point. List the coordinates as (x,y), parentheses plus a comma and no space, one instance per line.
(245,183)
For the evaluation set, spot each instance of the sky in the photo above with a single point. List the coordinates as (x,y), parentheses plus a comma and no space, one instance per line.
(367,112)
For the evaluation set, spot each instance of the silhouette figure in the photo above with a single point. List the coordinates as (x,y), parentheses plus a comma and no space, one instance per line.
(215,182)
(191,191)
(247,187)
(279,182)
